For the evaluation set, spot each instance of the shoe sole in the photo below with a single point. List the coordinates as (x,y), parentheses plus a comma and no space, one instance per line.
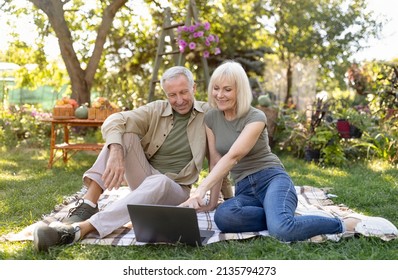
(44,237)
(36,240)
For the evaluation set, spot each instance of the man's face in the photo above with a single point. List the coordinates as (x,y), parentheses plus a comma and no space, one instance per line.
(179,94)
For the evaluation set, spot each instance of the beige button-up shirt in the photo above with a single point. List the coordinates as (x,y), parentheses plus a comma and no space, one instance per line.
(152,123)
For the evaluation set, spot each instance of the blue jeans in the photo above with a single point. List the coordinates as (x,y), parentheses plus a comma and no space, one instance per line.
(267,200)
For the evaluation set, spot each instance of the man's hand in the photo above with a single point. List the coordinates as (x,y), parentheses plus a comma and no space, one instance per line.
(114,171)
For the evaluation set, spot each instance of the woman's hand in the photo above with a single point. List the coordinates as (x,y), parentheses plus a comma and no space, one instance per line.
(199,204)
(207,208)
(193,202)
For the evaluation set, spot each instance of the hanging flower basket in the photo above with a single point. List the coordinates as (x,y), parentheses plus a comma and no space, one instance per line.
(198,38)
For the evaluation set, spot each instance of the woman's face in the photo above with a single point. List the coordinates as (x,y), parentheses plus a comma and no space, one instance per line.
(224,94)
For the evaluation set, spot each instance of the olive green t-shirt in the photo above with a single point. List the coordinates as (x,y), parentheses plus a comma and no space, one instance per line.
(226,132)
(175,153)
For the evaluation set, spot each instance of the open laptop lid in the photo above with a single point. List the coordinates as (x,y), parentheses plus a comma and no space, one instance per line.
(166,224)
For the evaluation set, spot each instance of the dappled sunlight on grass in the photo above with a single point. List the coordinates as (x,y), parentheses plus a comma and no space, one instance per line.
(14,248)
(5,162)
(391,179)
(41,155)
(378,165)
(14,177)
(310,174)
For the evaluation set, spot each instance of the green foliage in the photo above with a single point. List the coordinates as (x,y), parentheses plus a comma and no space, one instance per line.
(327,31)
(377,138)
(381,143)
(332,29)
(325,138)
(34,67)
(21,126)
(292,132)
(386,95)
(333,154)
(378,82)
(125,70)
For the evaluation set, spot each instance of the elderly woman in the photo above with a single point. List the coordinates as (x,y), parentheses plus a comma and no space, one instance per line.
(265,196)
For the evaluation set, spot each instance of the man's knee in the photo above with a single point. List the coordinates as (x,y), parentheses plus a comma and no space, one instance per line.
(158,181)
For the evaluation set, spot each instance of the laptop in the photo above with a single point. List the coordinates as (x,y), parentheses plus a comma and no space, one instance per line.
(167,224)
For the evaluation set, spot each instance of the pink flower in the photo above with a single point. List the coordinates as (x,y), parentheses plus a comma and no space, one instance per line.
(192,45)
(182,43)
(198,34)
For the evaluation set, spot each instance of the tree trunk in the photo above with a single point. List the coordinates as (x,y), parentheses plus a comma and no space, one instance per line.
(81,79)
(289,82)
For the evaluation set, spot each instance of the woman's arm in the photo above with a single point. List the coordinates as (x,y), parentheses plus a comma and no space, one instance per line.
(213,157)
(242,146)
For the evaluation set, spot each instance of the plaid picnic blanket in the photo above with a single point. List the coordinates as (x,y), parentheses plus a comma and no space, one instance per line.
(311,200)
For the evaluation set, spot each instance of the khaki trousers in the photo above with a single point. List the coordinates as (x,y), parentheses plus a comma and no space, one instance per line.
(148,186)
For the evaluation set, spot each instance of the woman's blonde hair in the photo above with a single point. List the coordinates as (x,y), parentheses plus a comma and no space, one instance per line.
(234,72)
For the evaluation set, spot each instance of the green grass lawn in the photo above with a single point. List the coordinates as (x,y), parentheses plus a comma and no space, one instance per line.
(28,190)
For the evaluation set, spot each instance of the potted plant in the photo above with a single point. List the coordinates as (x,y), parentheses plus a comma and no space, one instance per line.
(312,150)
(323,143)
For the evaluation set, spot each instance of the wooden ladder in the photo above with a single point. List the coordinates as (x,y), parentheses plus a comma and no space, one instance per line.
(178,57)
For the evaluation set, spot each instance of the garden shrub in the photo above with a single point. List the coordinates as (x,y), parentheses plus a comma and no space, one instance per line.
(22,126)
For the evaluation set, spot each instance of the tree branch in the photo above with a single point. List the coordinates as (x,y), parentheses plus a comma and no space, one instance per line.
(103,31)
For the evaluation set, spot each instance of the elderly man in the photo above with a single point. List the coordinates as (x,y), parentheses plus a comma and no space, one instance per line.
(158,148)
